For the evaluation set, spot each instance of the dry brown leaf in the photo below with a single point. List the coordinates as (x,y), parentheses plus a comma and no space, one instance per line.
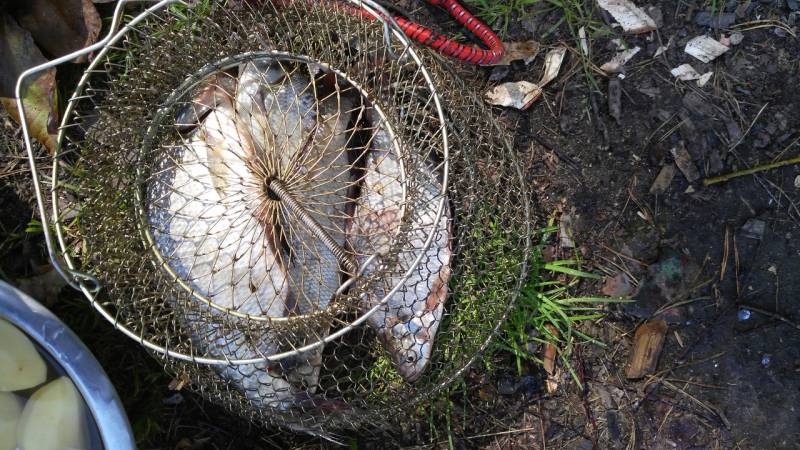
(519,51)
(18,53)
(59,27)
(522,94)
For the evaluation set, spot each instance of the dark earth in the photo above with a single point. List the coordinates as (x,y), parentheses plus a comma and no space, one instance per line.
(716,262)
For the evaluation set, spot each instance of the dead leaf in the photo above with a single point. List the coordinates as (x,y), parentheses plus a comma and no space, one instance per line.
(618,61)
(59,27)
(705,48)
(44,287)
(522,94)
(629,16)
(647,344)
(518,94)
(518,51)
(18,53)
(552,64)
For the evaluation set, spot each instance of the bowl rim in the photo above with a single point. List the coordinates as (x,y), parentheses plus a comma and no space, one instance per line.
(66,348)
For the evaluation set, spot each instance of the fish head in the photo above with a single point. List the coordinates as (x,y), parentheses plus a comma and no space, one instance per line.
(410,345)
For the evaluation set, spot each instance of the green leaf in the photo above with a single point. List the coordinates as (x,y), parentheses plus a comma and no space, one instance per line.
(570,271)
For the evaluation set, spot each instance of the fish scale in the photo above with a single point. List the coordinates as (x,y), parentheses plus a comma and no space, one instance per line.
(408,322)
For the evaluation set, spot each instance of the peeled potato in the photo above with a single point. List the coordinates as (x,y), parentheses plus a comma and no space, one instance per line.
(10,410)
(53,418)
(21,366)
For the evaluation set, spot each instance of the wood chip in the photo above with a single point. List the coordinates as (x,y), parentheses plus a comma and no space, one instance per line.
(705,48)
(647,344)
(663,179)
(549,362)
(629,16)
(684,162)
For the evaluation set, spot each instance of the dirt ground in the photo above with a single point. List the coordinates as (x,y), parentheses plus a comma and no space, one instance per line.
(718,263)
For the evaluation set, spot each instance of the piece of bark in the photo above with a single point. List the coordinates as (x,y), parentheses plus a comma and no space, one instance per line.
(647,344)
(663,179)
(684,162)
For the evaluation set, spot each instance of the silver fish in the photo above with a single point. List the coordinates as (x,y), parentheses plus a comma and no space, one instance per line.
(408,322)
(301,142)
(207,234)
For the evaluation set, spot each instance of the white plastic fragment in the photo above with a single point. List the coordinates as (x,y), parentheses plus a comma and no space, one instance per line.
(616,63)
(521,94)
(685,72)
(629,16)
(705,48)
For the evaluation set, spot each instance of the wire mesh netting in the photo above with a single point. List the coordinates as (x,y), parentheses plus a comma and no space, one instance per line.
(311,227)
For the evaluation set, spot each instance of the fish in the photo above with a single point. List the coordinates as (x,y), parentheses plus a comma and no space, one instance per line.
(301,141)
(204,228)
(407,323)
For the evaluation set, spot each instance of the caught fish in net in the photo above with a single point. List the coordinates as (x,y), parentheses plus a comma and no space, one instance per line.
(312,222)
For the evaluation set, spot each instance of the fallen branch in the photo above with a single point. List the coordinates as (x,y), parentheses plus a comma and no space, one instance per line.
(740,173)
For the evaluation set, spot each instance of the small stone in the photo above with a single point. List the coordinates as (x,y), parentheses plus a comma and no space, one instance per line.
(744,314)
(499,73)
(714,20)
(766,360)
(736,38)
(797,182)
(754,229)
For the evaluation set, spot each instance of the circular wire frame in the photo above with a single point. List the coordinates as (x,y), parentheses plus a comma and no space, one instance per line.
(435,140)
(419,313)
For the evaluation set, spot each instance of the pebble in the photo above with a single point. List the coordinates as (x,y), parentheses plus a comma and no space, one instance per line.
(765,360)
(714,20)
(736,38)
(744,314)
(797,182)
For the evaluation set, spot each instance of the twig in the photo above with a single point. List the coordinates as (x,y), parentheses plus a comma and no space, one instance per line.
(774,315)
(740,173)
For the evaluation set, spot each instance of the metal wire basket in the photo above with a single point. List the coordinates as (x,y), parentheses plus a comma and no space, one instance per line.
(304,215)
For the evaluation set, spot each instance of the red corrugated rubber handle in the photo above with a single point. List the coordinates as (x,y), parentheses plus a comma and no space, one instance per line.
(439,42)
(444,45)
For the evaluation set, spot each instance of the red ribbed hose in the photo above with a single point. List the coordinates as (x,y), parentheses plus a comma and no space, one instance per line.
(441,43)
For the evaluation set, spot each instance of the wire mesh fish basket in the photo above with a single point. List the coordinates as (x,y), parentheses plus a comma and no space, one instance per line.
(311,221)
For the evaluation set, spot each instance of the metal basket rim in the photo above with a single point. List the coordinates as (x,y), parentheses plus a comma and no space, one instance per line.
(89,285)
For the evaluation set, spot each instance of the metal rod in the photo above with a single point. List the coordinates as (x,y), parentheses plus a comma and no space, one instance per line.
(316,229)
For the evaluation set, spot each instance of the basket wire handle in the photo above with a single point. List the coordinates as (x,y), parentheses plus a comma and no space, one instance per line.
(76,279)
(316,229)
